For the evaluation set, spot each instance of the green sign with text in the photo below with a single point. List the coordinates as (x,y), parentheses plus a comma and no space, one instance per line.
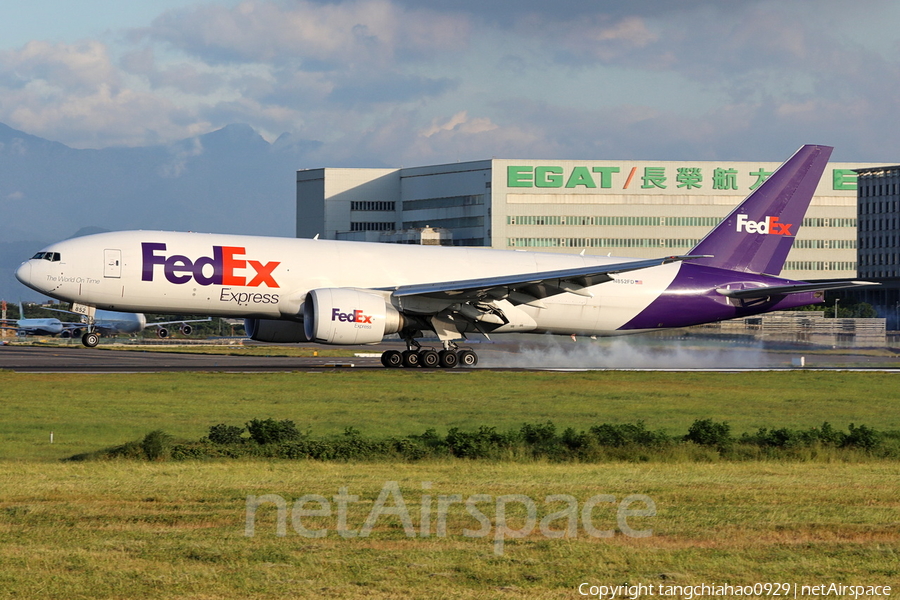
(650,177)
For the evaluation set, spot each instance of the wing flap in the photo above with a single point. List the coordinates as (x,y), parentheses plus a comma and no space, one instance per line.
(530,287)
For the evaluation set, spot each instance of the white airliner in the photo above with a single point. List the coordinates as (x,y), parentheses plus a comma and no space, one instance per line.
(25,326)
(334,292)
(102,322)
(111,323)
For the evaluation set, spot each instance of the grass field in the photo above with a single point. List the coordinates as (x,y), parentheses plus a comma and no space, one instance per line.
(87,412)
(128,530)
(123,529)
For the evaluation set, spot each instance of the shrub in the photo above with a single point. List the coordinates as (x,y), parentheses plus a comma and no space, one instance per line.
(225,434)
(538,434)
(706,432)
(613,435)
(862,437)
(157,445)
(484,443)
(270,431)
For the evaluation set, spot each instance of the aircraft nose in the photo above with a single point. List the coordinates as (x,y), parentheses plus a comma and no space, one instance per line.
(23,273)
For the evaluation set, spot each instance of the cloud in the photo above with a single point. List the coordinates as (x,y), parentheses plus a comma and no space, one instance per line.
(74,92)
(390,89)
(354,31)
(408,81)
(179,155)
(74,67)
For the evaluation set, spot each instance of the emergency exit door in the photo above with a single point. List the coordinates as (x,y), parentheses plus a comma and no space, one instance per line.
(112,260)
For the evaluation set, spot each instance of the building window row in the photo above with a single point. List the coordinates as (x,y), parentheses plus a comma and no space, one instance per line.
(819,244)
(828,222)
(877,224)
(373,206)
(445,223)
(879,207)
(870,190)
(372,226)
(813,265)
(611,221)
(878,259)
(652,221)
(877,241)
(554,242)
(448,202)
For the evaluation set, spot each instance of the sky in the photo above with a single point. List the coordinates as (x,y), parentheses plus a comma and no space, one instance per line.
(416,82)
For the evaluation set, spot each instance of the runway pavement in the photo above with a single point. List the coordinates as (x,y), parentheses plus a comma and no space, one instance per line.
(36,359)
(667,356)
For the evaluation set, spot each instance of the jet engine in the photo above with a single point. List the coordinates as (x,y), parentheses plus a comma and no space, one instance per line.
(162,332)
(186,329)
(274,330)
(348,316)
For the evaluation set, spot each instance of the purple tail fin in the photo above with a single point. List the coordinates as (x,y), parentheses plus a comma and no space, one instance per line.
(757,235)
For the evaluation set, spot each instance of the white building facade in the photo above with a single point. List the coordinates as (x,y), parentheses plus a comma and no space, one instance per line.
(641,209)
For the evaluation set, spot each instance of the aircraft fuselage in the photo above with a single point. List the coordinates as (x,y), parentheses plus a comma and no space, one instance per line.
(269,278)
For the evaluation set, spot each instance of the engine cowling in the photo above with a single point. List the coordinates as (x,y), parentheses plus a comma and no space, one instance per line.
(186,329)
(274,330)
(348,316)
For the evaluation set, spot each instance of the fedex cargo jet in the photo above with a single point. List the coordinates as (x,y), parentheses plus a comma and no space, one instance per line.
(337,292)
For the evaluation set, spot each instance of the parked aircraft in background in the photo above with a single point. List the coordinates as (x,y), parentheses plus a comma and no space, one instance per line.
(105,322)
(110,323)
(337,292)
(25,326)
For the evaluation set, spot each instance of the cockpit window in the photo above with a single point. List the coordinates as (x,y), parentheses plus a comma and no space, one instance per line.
(51,256)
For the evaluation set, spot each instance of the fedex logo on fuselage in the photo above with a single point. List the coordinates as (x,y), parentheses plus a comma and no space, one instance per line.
(770,226)
(226,266)
(354,316)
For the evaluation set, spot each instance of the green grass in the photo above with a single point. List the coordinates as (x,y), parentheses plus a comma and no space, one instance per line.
(87,412)
(125,529)
(166,530)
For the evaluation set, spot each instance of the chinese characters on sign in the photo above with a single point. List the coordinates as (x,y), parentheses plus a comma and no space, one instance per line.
(650,177)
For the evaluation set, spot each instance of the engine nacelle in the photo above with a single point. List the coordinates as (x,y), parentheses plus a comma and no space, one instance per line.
(348,316)
(186,329)
(274,330)
(162,332)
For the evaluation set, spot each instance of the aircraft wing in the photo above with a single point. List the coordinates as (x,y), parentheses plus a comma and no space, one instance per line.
(780,290)
(178,322)
(529,288)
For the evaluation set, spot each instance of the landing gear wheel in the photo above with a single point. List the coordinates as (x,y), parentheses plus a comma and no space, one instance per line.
(429,359)
(392,359)
(90,340)
(448,358)
(467,358)
(410,358)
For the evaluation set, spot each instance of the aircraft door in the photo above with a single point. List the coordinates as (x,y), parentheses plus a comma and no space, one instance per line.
(112,263)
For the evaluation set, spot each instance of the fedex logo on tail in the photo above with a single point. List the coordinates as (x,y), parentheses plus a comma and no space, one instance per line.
(226,266)
(770,226)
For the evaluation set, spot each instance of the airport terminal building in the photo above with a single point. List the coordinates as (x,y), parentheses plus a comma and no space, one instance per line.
(642,209)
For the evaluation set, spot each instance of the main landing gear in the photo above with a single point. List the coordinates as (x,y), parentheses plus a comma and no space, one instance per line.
(429,358)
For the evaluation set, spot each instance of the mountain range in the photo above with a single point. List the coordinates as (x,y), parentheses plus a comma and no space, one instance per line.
(228,181)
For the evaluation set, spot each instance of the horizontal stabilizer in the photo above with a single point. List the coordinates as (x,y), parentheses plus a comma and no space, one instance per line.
(782,290)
